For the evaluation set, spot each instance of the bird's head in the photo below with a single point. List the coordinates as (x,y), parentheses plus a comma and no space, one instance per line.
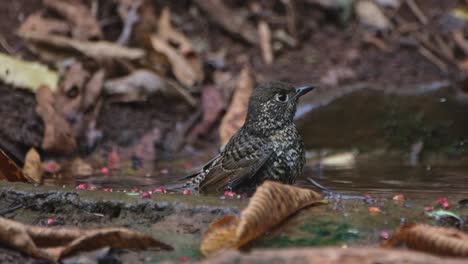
(272,105)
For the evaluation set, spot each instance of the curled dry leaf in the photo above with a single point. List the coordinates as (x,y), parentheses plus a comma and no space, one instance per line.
(32,168)
(36,22)
(371,15)
(55,244)
(187,70)
(231,21)
(171,35)
(84,24)
(135,85)
(71,91)
(9,170)
(58,135)
(98,50)
(93,90)
(30,75)
(230,232)
(265,42)
(212,104)
(436,240)
(237,111)
(80,168)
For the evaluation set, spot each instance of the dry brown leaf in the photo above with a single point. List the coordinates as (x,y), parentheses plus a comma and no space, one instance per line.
(138,83)
(32,168)
(371,15)
(98,50)
(58,135)
(80,168)
(212,104)
(37,23)
(9,170)
(231,232)
(228,19)
(171,35)
(437,240)
(187,71)
(330,255)
(93,90)
(54,244)
(265,42)
(84,24)
(237,111)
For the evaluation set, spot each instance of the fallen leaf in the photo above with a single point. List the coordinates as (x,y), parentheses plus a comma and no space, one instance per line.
(330,255)
(230,20)
(84,25)
(58,135)
(32,168)
(212,105)
(36,22)
(56,243)
(9,170)
(231,232)
(71,91)
(184,70)
(98,50)
(93,90)
(171,35)
(237,111)
(30,75)
(265,42)
(128,12)
(371,15)
(139,82)
(435,240)
(80,168)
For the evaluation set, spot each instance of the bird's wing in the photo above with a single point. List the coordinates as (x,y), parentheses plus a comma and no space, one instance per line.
(240,161)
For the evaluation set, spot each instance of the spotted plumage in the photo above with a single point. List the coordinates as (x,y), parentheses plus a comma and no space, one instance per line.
(267,147)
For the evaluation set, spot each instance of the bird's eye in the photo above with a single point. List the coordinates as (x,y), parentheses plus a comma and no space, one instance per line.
(281,97)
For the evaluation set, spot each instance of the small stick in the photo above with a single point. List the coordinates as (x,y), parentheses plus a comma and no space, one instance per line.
(334,195)
(433,58)
(10,210)
(417,11)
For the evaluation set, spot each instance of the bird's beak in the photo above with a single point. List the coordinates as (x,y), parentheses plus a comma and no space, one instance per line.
(303,90)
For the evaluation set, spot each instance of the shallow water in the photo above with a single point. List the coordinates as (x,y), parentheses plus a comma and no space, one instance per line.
(363,142)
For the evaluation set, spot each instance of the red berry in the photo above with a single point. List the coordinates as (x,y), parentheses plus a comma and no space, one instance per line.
(186,192)
(384,235)
(105,170)
(82,186)
(50,221)
(160,190)
(145,195)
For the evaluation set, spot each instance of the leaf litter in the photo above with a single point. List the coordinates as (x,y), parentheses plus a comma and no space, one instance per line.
(57,243)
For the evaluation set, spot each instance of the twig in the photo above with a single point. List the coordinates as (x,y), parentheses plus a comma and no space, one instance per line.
(379,43)
(130,18)
(6,46)
(10,210)
(185,94)
(432,58)
(265,42)
(417,11)
(460,40)
(334,195)
(291,17)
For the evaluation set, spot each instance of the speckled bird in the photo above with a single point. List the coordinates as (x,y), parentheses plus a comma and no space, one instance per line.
(267,147)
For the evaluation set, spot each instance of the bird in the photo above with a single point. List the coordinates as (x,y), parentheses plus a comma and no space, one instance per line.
(267,147)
